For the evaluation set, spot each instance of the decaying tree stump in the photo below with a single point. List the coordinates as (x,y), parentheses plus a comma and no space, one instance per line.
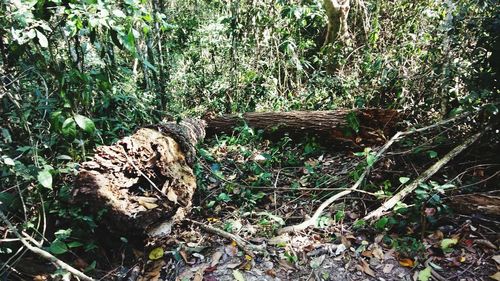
(146,181)
(143,179)
(327,126)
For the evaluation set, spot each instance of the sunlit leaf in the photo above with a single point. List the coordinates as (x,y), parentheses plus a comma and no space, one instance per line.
(448,243)
(424,275)
(45,179)
(407,262)
(403,180)
(156,253)
(85,123)
(42,39)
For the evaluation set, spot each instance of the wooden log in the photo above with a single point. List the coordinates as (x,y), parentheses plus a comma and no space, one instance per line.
(143,179)
(372,125)
(476,204)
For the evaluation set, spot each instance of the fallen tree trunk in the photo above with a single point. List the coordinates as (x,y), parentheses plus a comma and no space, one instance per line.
(146,181)
(143,179)
(353,127)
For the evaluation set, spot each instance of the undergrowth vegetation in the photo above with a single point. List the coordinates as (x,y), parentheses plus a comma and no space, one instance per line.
(79,74)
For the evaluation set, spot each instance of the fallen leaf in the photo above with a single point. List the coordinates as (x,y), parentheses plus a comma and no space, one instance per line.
(172,196)
(271,272)
(198,276)
(340,249)
(424,275)
(496,276)
(407,262)
(216,258)
(388,268)
(316,262)
(231,250)
(238,276)
(366,268)
(233,265)
(156,253)
(448,243)
(496,258)
(377,252)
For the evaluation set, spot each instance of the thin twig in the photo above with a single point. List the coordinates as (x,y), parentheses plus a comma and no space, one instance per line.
(312,220)
(247,247)
(44,254)
(389,204)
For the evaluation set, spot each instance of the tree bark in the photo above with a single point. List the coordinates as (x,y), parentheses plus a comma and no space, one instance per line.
(143,179)
(146,181)
(372,125)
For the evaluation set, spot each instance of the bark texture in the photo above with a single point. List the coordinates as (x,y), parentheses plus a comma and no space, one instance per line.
(328,126)
(143,179)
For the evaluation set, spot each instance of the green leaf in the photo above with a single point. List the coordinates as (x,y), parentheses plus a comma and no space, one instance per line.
(74,244)
(403,180)
(156,253)
(432,153)
(353,121)
(424,275)
(69,127)
(42,39)
(381,223)
(85,123)
(58,247)
(448,243)
(8,161)
(370,159)
(45,179)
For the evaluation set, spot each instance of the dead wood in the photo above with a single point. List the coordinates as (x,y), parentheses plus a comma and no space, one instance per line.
(247,247)
(476,204)
(398,197)
(312,220)
(42,253)
(328,126)
(143,179)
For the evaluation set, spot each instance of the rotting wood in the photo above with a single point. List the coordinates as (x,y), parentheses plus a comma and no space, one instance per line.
(327,126)
(476,203)
(146,181)
(143,179)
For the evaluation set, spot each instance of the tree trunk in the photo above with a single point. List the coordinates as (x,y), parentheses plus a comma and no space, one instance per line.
(143,179)
(146,181)
(357,127)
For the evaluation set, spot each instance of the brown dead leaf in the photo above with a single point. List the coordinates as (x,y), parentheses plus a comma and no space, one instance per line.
(286,264)
(216,257)
(377,252)
(496,259)
(271,272)
(496,276)
(233,265)
(198,276)
(185,257)
(365,267)
(345,242)
(40,278)
(367,254)
(407,262)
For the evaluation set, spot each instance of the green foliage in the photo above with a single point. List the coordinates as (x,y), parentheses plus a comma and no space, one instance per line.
(78,74)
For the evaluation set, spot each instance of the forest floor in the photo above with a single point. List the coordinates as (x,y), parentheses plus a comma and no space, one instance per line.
(251,191)
(252,188)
